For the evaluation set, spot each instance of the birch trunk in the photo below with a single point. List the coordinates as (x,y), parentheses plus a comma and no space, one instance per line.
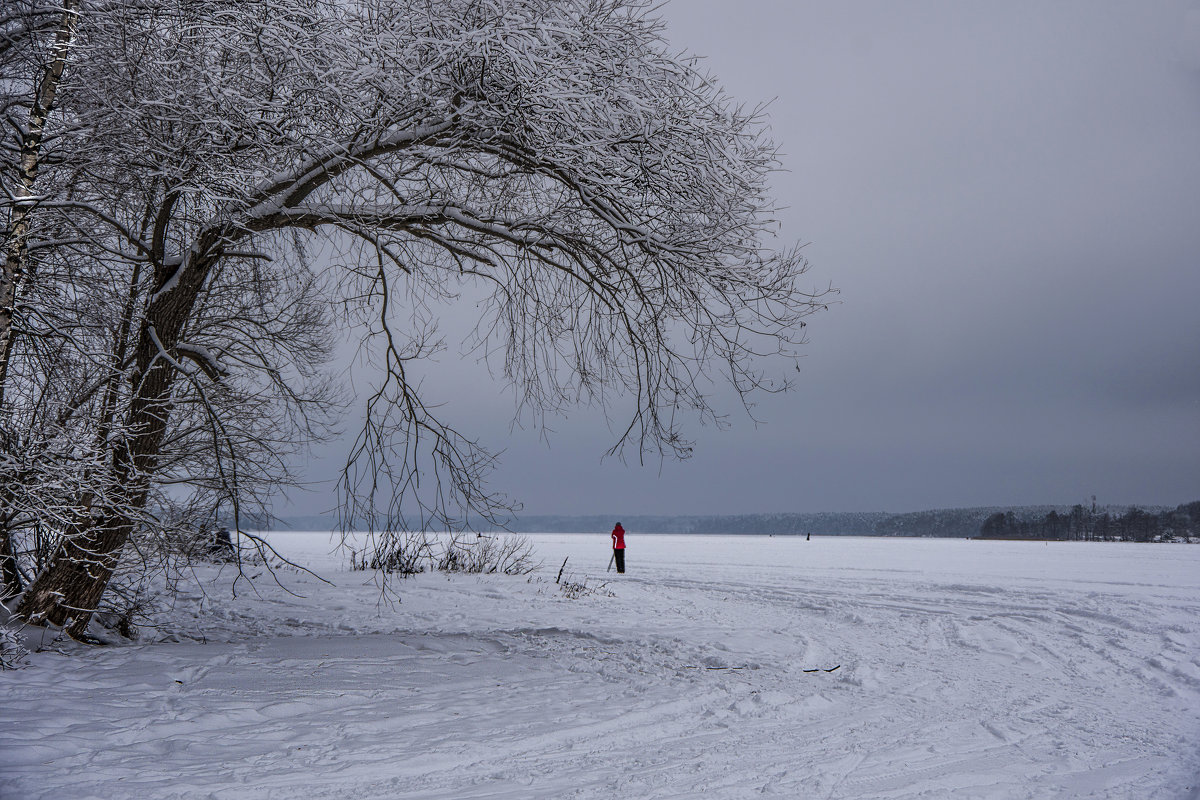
(24,200)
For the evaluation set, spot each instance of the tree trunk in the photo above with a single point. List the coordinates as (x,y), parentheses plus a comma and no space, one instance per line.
(68,591)
(15,245)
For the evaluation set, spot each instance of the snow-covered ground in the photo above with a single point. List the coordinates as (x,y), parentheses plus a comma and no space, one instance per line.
(965,669)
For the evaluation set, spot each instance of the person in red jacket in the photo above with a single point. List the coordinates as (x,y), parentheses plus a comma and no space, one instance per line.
(618,537)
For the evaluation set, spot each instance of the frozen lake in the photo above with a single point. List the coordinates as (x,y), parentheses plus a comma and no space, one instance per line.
(1169,568)
(964,669)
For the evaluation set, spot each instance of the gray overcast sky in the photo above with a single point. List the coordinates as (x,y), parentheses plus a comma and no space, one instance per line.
(1008,197)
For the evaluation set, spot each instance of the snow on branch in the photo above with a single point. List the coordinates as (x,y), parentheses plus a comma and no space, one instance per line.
(204,358)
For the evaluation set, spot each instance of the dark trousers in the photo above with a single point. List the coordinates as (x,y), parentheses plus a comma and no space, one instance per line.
(620,556)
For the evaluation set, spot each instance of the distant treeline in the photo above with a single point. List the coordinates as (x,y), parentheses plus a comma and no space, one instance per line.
(1023,522)
(947,522)
(1089,525)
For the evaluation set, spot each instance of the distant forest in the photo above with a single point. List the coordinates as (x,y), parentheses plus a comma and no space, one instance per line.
(1079,523)
(1104,523)
(1083,525)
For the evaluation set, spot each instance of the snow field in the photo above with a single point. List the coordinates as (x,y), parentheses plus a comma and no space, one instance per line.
(965,670)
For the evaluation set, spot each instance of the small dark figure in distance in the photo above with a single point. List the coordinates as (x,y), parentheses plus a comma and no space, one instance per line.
(618,537)
(222,544)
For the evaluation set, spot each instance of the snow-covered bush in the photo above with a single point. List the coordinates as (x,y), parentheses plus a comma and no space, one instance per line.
(131,601)
(13,654)
(479,553)
(405,553)
(411,553)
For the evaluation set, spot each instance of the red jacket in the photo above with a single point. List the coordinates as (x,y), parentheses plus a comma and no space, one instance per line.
(618,535)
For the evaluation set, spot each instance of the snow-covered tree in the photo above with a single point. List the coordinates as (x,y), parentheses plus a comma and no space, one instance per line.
(34,44)
(604,194)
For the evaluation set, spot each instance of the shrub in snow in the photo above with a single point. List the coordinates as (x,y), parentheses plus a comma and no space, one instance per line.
(573,588)
(397,554)
(477,553)
(131,600)
(473,553)
(13,654)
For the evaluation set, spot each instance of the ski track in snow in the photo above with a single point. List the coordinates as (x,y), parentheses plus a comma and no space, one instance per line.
(966,670)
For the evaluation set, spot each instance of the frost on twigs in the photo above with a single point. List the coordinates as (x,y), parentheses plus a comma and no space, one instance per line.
(606,201)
